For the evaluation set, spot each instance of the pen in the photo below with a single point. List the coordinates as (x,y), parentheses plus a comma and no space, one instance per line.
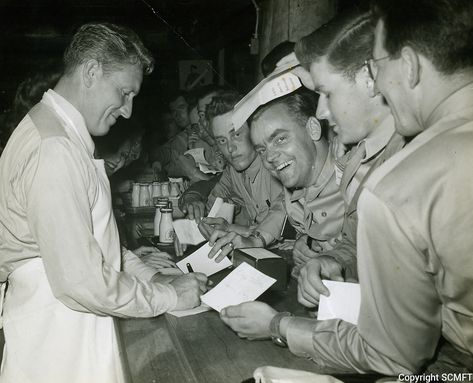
(309,242)
(189,268)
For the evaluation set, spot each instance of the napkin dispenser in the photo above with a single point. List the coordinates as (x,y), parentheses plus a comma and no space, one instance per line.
(265,261)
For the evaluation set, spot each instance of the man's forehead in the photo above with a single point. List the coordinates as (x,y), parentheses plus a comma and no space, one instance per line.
(277,118)
(318,71)
(275,113)
(223,124)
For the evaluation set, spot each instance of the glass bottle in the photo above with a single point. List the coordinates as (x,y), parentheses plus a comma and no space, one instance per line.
(157,217)
(166,230)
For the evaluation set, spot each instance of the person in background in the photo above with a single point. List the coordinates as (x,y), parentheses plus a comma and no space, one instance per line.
(119,149)
(28,93)
(171,156)
(176,145)
(59,246)
(245,182)
(413,240)
(121,146)
(201,135)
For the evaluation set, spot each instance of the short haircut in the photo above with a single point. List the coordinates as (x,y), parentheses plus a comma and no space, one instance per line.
(221,104)
(346,41)
(301,104)
(111,45)
(440,30)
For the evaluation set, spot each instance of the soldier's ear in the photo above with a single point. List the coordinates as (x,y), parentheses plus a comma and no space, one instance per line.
(314,128)
(410,66)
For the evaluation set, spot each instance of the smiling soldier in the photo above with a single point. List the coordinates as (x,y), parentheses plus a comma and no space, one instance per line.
(290,141)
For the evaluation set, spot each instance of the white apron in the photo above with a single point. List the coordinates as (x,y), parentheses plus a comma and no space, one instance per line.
(45,341)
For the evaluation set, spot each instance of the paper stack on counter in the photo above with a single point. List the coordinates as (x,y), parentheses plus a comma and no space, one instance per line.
(244,284)
(188,231)
(201,263)
(277,84)
(343,302)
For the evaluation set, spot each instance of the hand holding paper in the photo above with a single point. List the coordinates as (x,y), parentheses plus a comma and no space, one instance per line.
(343,302)
(187,230)
(310,286)
(243,284)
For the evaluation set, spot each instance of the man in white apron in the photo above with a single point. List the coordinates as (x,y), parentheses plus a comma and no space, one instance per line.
(59,245)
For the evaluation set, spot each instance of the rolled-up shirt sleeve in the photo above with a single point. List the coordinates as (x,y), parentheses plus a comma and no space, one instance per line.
(58,210)
(399,322)
(133,265)
(336,345)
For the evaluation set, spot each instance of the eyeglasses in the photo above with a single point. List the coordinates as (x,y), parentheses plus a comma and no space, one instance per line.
(372,67)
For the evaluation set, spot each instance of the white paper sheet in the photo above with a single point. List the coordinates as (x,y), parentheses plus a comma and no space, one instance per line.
(185,313)
(244,284)
(343,302)
(277,84)
(222,209)
(188,231)
(200,262)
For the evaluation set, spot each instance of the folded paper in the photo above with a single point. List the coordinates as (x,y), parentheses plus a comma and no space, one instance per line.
(343,302)
(277,84)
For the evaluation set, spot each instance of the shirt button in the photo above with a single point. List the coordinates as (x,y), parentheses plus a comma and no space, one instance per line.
(324,214)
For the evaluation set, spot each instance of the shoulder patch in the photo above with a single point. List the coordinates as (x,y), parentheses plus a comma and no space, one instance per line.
(46,121)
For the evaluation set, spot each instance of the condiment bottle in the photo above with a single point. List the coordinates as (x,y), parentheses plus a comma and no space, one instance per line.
(166,230)
(157,216)
(144,195)
(174,189)
(135,195)
(156,192)
(165,189)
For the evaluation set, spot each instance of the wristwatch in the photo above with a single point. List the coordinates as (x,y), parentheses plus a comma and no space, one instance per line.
(276,336)
(258,235)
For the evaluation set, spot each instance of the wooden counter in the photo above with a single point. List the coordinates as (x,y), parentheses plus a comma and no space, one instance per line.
(199,348)
(202,349)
